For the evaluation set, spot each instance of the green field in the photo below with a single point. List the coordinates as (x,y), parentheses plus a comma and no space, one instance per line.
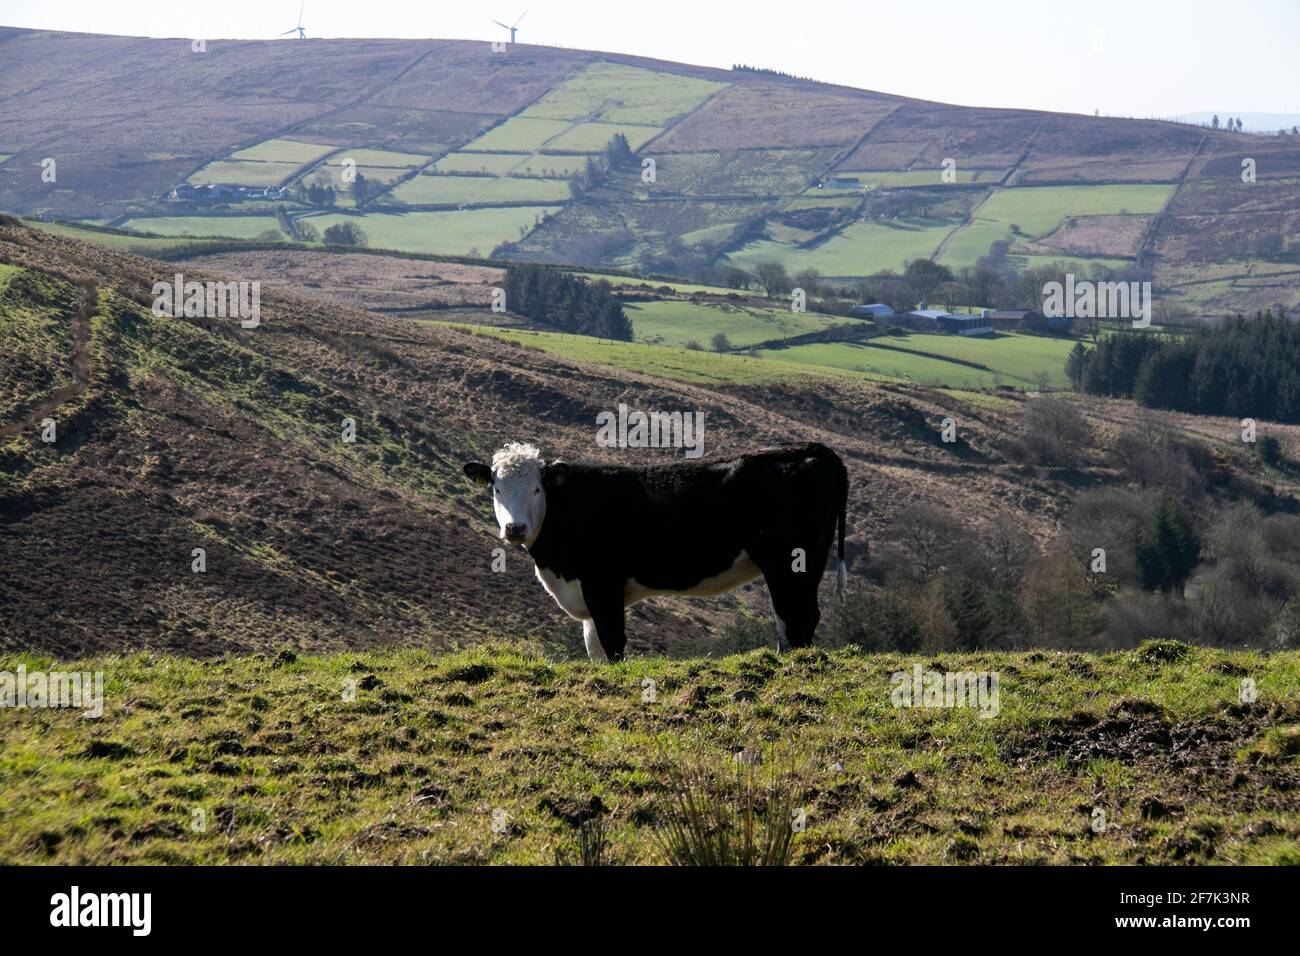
(452,233)
(861,248)
(1018,360)
(489,755)
(623,94)
(594,137)
(379,174)
(379,157)
(496,164)
(663,329)
(423,189)
(233,227)
(678,323)
(138,245)
(285,151)
(499,164)
(678,364)
(1038,210)
(518,135)
(244,173)
(883,364)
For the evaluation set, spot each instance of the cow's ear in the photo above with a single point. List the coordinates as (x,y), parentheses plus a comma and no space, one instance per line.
(557,471)
(479,472)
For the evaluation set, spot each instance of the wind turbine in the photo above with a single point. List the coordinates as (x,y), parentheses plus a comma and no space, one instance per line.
(302,34)
(512,29)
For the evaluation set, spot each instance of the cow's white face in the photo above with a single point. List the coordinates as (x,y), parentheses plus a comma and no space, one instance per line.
(518,492)
(519,501)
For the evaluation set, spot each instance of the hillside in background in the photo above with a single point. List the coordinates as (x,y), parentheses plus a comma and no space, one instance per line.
(463,151)
(184,433)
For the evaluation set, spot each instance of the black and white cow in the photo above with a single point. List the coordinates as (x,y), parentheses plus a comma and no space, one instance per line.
(606,537)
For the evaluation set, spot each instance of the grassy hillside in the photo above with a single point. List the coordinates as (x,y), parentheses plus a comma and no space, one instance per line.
(951,360)
(1028,214)
(860,249)
(694,366)
(736,154)
(470,231)
(499,755)
(680,323)
(231,227)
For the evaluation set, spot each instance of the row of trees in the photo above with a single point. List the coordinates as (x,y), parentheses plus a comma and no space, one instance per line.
(1247,367)
(557,299)
(744,68)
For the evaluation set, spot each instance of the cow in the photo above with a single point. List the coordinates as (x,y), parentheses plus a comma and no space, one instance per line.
(605,537)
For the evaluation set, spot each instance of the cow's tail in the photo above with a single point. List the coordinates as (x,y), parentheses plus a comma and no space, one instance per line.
(842,571)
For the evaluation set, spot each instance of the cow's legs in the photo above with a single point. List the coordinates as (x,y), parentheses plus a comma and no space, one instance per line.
(606,606)
(594,650)
(794,603)
(782,642)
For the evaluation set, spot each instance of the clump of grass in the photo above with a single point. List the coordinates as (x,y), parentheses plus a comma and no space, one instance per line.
(1278,745)
(732,814)
(1162,651)
(591,845)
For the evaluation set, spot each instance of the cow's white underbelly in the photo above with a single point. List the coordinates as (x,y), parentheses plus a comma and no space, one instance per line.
(741,571)
(568,594)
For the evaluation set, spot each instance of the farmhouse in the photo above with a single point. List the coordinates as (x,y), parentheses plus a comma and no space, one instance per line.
(842,182)
(218,192)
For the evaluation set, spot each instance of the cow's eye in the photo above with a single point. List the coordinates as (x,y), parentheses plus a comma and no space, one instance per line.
(537,491)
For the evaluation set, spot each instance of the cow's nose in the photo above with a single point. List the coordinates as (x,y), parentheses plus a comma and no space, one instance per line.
(516,532)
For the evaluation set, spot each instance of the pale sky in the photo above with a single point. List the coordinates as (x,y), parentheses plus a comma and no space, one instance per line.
(1123,57)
